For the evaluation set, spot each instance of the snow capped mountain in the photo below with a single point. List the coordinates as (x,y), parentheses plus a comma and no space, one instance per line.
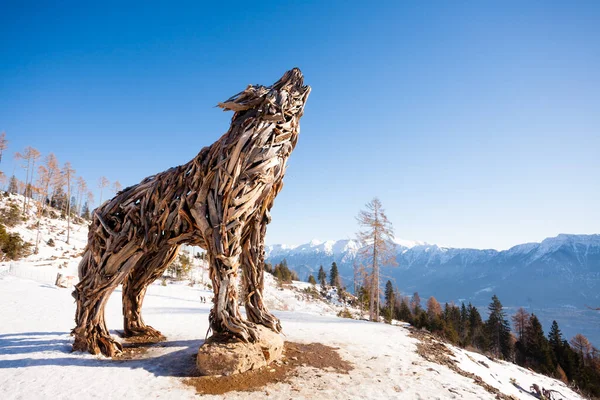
(558,272)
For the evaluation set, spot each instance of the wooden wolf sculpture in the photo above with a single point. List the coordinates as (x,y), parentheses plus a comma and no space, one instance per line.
(219,201)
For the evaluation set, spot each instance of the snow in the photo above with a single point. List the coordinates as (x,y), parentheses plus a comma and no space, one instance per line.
(499,375)
(409,244)
(36,359)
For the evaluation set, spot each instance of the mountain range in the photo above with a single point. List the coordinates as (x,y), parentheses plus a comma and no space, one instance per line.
(562,271)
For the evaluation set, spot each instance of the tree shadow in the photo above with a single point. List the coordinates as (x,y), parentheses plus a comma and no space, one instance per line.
(175,358)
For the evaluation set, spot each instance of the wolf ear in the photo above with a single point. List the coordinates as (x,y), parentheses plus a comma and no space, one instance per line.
(249,98)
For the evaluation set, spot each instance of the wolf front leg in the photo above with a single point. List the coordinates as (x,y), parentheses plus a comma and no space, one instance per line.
(225,318)
(252,257)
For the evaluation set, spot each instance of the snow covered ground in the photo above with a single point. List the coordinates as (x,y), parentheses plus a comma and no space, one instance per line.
(36,360)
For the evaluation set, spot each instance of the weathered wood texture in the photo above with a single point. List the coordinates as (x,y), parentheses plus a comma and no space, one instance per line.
(219,201)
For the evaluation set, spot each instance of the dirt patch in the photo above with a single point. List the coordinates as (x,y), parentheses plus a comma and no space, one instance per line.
(137,346)
(295,355)
(431,349)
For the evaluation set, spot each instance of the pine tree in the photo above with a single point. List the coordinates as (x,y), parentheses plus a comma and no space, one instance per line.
(377,247)
(498,330)
(452,319)
(85,211)
(334,277)
(463,332)
(322,277)
(404,313)
(555,338)
(312,280)
(389,301)
(477,335)
(536,347)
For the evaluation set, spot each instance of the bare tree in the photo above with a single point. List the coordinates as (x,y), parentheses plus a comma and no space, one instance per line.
(20,186)
(102,183)
(46,176)
(3,180)
(90,200)
(81,189)
(69,173)
(29,157)
(581,345)
(377,248)
(433,308)
(521,321)
(3,144)
(117,187)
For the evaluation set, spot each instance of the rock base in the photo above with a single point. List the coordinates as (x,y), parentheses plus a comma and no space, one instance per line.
(227,358)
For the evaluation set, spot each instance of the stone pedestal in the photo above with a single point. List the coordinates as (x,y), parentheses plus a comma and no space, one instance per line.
(228,358)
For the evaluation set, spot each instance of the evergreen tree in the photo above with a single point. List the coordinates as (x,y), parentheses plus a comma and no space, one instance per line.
(312,280)
(452,318)
(403,313)
(334,277)
(389,301)
(463,332)
(536,347)
(283,274)
(477,336)
(59,199)
(498,329)
(322,276)
(421,319)
(555,338)
(555,342)
(85,211)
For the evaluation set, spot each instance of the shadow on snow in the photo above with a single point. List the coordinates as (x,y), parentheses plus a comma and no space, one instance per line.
(169,358)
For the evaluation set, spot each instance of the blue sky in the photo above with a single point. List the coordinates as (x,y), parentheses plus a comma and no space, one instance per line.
(476,124)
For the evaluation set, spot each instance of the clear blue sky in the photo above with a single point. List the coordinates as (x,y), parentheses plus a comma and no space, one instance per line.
(476,123)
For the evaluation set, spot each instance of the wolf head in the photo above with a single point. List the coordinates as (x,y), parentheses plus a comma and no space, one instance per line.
(281,102)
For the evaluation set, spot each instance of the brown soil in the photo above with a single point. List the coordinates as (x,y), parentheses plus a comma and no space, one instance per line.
(431,349)
(136,346)
(295,355)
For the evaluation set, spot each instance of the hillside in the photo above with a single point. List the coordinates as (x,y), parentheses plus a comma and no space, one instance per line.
(381,360)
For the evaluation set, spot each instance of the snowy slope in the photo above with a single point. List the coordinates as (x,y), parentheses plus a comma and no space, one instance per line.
(36,362)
